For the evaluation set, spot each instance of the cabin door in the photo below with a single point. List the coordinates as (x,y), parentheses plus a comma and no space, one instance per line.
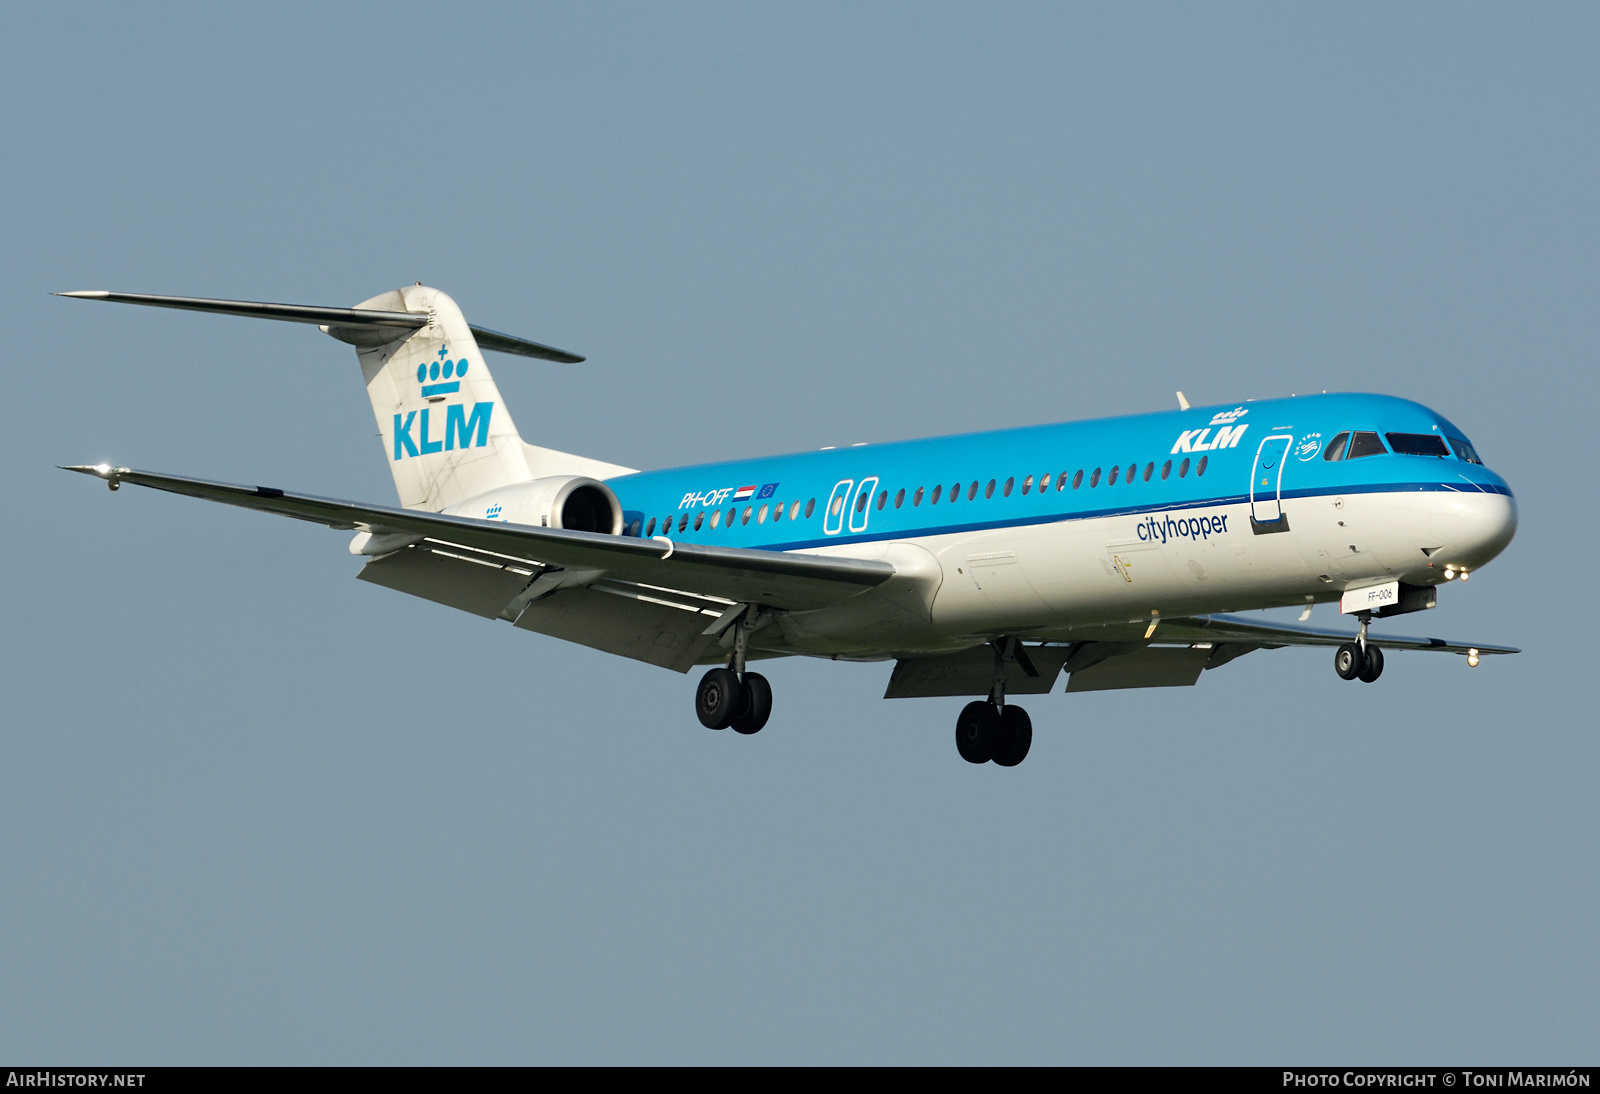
(1266,485)
(833,515)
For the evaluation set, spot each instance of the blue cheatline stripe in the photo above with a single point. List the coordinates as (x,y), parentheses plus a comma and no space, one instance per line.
(441,389)
(1119,511)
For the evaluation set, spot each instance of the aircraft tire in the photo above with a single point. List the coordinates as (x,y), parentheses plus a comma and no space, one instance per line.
(1348,662)
(718,699)
(1374,665)
(1015,737)
(758,705)
(976,730)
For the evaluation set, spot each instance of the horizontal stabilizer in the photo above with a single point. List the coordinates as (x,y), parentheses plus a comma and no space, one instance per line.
(359,326)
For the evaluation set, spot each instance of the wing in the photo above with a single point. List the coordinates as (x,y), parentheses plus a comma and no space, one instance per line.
(1105,657)
(770,578)
(1219,629)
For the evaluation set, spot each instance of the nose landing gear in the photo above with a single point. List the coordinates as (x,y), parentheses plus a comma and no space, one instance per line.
(1359,660)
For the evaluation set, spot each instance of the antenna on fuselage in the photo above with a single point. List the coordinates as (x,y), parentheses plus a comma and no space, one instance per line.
(1183,404)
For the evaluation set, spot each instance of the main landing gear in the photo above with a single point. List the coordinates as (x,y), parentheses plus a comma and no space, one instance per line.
(724,700)
(732,697)
(1359,660)
(989,729)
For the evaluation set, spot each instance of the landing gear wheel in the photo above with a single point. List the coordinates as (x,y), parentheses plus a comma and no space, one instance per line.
(1374,666)
(976,731)
(1348,661)
(757,707)
(1015,737)
(718,699)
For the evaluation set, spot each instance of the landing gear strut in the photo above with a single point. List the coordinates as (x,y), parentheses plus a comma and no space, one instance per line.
(989,729)
(1359,660)
(731,696)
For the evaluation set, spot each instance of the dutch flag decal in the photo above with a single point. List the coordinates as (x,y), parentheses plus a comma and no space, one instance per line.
(743,492)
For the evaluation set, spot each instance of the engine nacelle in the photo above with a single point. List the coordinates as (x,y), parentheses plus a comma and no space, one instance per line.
(560,501)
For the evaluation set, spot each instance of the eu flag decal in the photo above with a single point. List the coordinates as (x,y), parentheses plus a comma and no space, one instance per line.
(767,491)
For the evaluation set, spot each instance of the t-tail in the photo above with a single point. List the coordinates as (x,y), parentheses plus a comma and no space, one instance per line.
(447,435)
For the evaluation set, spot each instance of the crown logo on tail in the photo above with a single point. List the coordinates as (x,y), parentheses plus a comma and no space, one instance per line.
(435,376)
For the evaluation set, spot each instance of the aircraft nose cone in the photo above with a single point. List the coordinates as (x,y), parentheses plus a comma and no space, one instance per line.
(1471,529)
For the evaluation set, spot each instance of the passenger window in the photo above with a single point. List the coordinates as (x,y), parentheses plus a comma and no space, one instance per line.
(1465,450)
(811,503)
(699,520)
(1417,444)
(1365,444)
(883,499)
(1149,469)
(1166,469)
(899,498)
(716,518)
(1336,447)
(1077,480)
(650,529)
(937,490)
(1094,479)
(988,491)
(777,512)
(732,514)
(836,505)
(955,492)
(1200,468)
(1044,481)
(1111,479)
(683,523)
(794,510)
(1027,484)
(1005,491)
(745,518)
(916,499)
(1183,468)
(861,502)
(972,491)
(761,517)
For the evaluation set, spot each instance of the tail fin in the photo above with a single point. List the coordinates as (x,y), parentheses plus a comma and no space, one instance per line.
(446,432)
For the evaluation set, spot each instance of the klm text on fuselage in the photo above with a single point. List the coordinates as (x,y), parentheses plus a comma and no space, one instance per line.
(413,434)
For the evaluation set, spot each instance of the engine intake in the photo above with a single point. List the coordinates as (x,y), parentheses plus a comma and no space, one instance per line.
(561,501)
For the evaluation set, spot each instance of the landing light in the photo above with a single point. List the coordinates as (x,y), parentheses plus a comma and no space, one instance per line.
(102,468)
(1449,574)
(1472,658)
(1463,575)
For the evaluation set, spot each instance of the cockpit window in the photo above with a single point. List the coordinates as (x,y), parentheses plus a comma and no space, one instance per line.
(1365,444)
(1335,450)
(1418,444)
(1465,450)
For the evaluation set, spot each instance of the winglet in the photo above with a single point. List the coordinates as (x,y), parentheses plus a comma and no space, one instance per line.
(1183,404)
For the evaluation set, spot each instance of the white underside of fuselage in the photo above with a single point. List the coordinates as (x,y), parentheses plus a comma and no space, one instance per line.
(1048,581)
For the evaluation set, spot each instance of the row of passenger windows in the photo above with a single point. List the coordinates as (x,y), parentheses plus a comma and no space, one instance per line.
(774,512)
(1354,445)
(1129,475)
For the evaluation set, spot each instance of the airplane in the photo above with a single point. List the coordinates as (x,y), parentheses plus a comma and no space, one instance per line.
(1117,551)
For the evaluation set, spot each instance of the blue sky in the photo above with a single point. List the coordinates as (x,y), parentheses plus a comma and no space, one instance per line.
(259,812)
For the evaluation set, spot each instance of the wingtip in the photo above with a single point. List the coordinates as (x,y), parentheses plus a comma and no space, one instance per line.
(85,294)
(99,470)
